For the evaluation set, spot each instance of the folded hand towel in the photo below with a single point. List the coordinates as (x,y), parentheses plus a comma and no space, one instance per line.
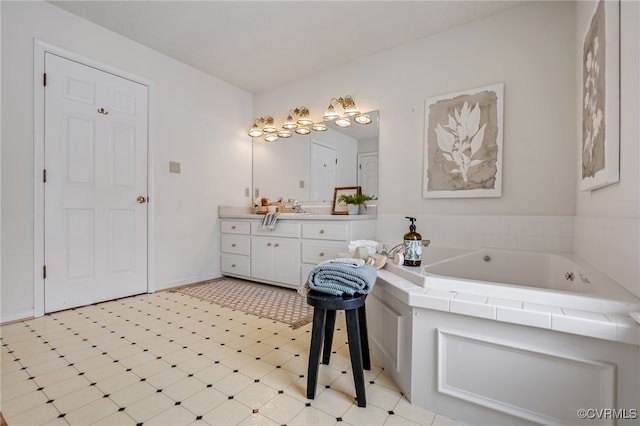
(340,278)
(269,221)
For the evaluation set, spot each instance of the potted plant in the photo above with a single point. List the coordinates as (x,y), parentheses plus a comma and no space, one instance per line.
(354,201)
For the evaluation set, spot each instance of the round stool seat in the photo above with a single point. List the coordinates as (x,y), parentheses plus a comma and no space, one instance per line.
(335,303)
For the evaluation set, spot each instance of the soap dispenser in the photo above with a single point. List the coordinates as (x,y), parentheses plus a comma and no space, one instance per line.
(412,245)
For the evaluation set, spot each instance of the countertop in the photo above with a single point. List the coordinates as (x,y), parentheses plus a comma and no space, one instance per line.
(314,213)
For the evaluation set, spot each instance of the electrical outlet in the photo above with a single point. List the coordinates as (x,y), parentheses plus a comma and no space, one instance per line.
(257,193)
(301,184)
(246,192)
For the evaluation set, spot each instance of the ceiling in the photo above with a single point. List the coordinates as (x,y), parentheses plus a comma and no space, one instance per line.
(260,45)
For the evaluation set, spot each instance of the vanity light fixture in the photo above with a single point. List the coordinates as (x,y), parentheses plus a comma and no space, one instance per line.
(350,110)
(304,119)
(289,124)
(301,126)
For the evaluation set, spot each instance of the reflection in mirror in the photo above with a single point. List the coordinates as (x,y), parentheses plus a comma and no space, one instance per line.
(309,167)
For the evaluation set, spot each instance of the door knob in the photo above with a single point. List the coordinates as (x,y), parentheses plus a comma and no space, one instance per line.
(141,199)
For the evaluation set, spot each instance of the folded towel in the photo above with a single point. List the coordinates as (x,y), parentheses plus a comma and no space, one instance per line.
(269,221)
(340,277)
(303,290)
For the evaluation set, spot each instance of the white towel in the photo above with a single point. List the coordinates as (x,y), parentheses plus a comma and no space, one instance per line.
(269,221)
(370,245)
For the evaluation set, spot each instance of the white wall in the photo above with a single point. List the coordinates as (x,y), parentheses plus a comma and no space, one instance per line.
(196,119)
(607,222)
(531,49)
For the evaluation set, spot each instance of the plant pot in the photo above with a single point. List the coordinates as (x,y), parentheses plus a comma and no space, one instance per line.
(353,208)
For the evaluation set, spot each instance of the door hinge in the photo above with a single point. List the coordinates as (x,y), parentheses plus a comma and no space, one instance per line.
(44,175)
(44,272)
(44,79)
(336,161)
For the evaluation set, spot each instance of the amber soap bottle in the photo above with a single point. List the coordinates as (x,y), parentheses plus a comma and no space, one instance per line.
(412,245)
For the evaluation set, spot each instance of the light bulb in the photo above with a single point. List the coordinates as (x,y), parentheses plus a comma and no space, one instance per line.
(343,122)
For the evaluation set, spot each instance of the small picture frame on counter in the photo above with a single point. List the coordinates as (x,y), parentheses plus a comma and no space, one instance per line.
(340,207)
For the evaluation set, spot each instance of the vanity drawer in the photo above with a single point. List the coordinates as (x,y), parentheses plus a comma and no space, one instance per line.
(282,229)
(235,227)
(235,264)
(318,251)
(235,244)
(326,231)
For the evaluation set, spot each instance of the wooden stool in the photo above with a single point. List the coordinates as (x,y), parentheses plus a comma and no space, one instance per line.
(324,319)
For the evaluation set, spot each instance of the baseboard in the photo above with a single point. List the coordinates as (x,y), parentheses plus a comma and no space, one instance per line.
(179,283)
(11,317)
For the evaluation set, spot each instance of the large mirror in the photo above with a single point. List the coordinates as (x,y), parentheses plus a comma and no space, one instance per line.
(309,167)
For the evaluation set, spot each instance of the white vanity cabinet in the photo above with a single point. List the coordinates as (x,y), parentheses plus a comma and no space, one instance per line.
(275,254)
(276,259)
(235,247)
(285,255)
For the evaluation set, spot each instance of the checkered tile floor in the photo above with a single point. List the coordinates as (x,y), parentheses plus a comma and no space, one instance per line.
(173,359)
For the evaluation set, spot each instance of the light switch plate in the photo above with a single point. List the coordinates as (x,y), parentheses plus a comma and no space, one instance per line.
(174,167)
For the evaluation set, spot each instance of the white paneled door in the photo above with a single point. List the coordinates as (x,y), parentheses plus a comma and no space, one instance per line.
(324,171)
(95,204)
(368,173)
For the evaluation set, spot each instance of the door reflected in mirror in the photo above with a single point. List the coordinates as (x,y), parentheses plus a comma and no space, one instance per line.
(309,167)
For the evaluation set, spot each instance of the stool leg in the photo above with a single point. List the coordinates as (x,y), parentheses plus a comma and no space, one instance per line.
(353,334)
(364,338)
(329,325)
(314,351)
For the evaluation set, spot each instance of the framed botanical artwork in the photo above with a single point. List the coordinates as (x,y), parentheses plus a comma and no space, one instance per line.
(338,206)
(463,144)
(600,145)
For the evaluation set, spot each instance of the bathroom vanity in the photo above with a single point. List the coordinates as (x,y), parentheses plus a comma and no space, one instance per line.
(285,255)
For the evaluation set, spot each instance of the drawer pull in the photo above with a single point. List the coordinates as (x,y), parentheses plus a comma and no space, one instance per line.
(268,244)
(276,245)
(322,231)
(233,265)
(321,254)
(233,245)
(233,227)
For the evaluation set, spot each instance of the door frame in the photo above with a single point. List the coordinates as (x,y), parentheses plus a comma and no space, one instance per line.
(39,49)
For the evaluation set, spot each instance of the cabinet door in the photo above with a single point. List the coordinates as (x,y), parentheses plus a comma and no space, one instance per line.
(287,261)
(262,255)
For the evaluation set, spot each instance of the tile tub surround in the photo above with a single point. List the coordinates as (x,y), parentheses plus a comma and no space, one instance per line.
(539,233)
(168,358)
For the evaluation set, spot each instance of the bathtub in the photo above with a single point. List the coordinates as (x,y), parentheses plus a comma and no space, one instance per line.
(469,333)
(562,280)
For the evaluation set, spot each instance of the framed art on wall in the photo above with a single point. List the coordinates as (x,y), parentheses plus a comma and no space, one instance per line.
(463,144)
(600,145)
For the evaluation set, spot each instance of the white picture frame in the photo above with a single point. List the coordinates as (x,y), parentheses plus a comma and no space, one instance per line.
(463,144)
(600,133)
